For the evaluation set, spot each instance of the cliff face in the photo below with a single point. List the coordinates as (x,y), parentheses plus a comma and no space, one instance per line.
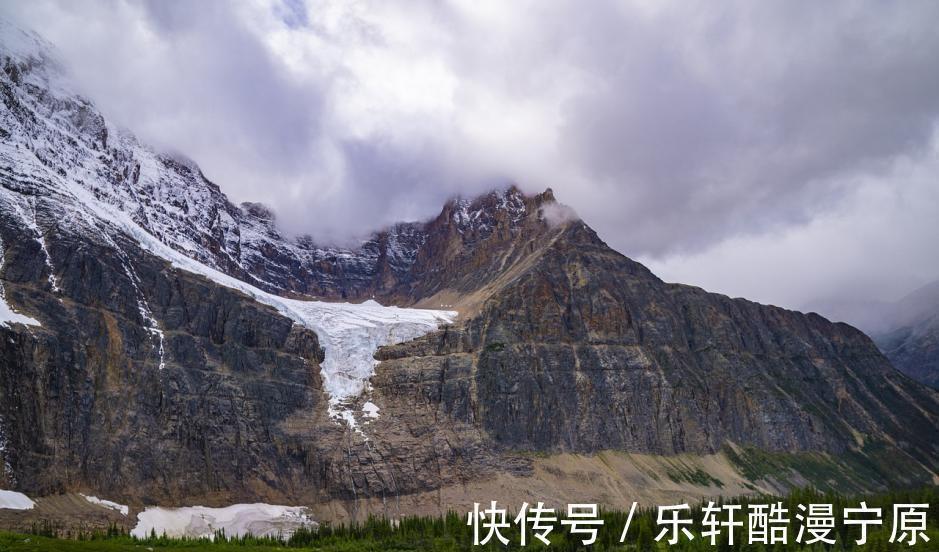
(584,349)
(148,383)
(151,384)
(96,398)
(575,348)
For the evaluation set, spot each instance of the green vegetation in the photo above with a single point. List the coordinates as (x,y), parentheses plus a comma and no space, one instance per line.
(854,471)
(495,347)
(450,532)
(696,476)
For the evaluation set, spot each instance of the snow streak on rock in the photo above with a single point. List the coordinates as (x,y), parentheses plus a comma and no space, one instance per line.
(29,218)
(142,306)
(34,225)
(4,447)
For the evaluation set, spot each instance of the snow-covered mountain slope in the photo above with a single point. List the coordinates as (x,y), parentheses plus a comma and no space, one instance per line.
(52,136)
(61,157)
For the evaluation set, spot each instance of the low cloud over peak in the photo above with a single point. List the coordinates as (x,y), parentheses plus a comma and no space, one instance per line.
(718,143)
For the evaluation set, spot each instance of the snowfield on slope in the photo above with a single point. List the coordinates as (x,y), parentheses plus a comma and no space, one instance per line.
(12,500)
(123,509)
(8,315)
(259,520)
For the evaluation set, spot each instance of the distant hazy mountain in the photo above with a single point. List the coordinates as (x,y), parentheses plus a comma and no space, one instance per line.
(907,331)
(911,340)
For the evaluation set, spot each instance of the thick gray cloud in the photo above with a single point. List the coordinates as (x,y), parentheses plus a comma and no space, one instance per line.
(730,145)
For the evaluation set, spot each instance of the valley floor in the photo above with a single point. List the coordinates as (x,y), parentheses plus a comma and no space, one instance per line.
(451,532)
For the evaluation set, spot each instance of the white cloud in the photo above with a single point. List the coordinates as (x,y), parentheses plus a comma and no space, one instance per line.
(679,130)
(872,248)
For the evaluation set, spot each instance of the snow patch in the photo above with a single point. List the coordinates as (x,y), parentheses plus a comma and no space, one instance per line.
(12,500)
(7,314)
(124,510)
(475,214)
(370,410)
(260,520)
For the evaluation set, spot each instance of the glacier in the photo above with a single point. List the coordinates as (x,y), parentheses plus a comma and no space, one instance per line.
(349,333)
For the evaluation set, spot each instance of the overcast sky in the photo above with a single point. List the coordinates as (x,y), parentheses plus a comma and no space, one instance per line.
(783,151)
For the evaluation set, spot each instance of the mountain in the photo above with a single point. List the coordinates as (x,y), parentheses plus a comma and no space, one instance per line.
(161,345)
(906,331)
(912,339)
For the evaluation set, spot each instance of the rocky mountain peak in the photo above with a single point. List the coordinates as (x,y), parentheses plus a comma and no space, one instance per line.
(480,215)
(58,141)
(500,211)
